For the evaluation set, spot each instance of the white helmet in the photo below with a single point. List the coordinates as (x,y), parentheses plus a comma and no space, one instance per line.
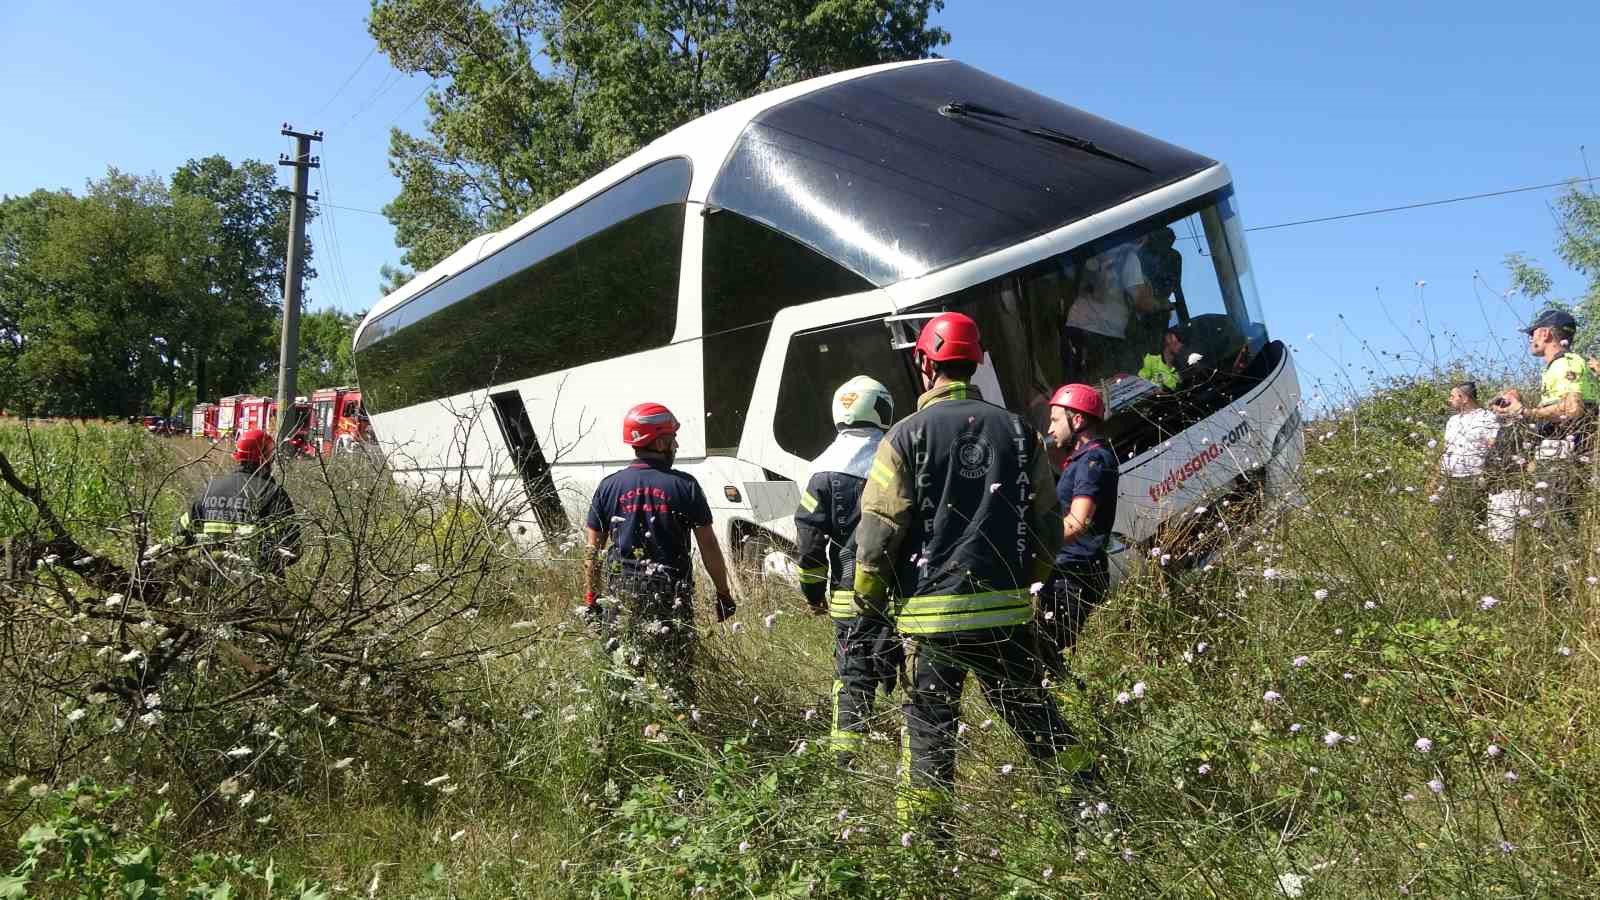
(863,401)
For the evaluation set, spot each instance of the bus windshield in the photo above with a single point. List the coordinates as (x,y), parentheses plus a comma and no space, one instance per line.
(1163,317)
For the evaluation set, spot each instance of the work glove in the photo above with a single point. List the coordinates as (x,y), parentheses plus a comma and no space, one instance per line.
(816,597)
(886,655)
(725,606)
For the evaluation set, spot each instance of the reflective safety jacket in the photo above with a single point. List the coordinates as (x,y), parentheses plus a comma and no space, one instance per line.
(825,523)
(248,508)
(1156,371)
(1565,374)
(958,519)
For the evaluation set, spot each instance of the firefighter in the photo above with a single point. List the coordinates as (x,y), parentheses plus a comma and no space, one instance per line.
(646,513)
(867,652)
(1564,420)
(957,520)
(1087,492)
(246,508)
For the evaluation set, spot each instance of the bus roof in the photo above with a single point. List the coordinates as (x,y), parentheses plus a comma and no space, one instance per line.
(893,171)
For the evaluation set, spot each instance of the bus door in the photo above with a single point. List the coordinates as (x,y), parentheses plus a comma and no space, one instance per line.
(517,430)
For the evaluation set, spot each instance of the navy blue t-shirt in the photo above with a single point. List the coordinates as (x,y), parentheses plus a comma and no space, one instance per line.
(649,510)
(1091,471)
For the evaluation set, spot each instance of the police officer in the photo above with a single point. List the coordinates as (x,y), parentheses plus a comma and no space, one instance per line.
(246,509)
(1087,491)
(1565,417)
(957,520)
(867,652)
(646,513)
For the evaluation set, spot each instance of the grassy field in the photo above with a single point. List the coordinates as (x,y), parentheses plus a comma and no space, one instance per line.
(1336,706)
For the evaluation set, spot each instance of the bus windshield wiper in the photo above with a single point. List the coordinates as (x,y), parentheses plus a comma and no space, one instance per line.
(959,109)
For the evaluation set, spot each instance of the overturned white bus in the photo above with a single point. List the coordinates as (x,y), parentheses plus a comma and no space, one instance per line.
(742,266)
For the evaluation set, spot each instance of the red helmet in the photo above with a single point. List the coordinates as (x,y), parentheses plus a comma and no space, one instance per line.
(646,422)
(254,447)
(1080,398)
(948,336)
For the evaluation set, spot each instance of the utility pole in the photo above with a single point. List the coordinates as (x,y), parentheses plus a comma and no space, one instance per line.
(289,351)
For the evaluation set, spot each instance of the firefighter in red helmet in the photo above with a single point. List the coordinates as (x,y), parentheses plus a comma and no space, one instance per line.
(1087,491)
(957,521)
(646,514)
(246,510)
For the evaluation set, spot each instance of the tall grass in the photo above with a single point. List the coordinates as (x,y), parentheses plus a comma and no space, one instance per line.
(1332,707)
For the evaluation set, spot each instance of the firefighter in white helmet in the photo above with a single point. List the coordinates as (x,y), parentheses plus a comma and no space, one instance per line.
(867,653)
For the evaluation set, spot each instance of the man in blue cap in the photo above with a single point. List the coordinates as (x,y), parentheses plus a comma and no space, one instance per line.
(1564,418)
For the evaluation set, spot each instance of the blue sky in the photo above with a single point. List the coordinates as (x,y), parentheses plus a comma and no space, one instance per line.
(1320,110)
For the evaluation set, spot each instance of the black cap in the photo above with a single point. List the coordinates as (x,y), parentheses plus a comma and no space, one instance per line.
(1553,318)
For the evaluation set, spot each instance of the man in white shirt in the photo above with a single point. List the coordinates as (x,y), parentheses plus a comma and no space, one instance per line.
(1461,483)
(1110,288)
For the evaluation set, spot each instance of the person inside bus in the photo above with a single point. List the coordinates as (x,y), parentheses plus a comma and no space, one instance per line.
(1164,367)
(1111,289)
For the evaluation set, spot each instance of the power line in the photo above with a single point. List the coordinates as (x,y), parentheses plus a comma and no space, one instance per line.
(1390,209)
(349,78)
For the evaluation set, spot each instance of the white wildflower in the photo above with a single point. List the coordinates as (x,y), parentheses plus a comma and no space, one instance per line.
(113,601)
(1138,690)
(1296,728)
(1205,769)
(1300,662)
(77,714)
(1436,785)
(1123,697)
(131,655)
(1320,594)
(769,620)
(1423,745)
(1272,696)
(1487,603)
(343,763)
(245,799)
(1492,751)
(240,751)
(1564,651)
(1006,769)
(1511,777)
(1370,605)
(1333,738)
(905,839)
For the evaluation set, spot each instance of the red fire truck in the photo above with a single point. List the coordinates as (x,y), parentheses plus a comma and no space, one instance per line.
(203,421)
(338,420)
(251,412)
(228,416)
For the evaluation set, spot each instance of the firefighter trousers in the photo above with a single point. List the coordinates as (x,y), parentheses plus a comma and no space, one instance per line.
(1012,681)
(1074,591)
(859,670)
(648,630)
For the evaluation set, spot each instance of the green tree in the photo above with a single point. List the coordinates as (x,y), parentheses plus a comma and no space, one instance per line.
(95,286)
(231,337)
(509,131)
(393,278)
(325,353)
(1578,216)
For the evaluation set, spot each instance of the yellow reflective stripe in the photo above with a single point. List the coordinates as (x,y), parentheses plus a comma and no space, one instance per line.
(882,473)
(815,575)
(993,618)
(958,390)
(808,501)
(846,741)
(183,521)
(947,603)
(842,605)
